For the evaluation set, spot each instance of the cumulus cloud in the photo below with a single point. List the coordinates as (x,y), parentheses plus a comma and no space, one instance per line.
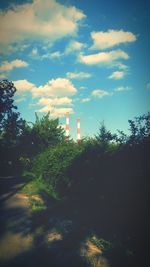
(103,40)
(78,75)
(123,88)
(23,85)
(103,57)
(55,101)
(82,87)
(74,46)
(54,93)
(85,100)
(17,63)
(121,66)
(34,52)
(53,55)
(55,88)
(61,112)
(39,20)
(56,112)
(100,93)
(117,75)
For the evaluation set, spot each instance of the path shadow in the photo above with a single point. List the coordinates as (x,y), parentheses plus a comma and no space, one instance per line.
(10,185)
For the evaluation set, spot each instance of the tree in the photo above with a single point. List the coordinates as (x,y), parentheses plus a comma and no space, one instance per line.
(104,136)
(7,91)
(140,129)
(11,125)
(11,128)
(43,133)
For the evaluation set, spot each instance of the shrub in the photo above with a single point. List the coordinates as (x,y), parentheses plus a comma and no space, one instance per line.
(53,165)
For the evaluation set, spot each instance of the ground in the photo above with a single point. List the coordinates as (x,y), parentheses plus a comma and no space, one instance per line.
(32,240)
(15,221)
(59,236)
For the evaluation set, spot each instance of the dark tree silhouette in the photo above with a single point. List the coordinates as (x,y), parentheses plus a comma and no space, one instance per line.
(7,91)
(104,136)
(11,126)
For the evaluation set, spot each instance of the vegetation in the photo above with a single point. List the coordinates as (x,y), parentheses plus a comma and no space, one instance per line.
(53,165)
(40,135)
(102,183)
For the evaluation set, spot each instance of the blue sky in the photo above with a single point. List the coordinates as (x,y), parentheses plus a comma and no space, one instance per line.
(90,58)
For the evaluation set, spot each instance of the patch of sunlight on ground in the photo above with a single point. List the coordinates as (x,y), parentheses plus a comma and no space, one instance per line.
(17,200)
(93,254)
(90,249)
(53,236)
(12,244)
(37,198)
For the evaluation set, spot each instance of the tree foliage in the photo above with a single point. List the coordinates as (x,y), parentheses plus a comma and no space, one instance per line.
(7,91)
(11,125)
(18,138)
(53,165)
(44,132)
(104,136)
(140,129)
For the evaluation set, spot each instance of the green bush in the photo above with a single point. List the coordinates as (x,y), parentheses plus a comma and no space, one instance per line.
(37,187)
(53,165)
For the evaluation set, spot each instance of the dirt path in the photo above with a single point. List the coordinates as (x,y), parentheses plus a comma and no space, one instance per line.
(49,240)
(26,240)
(15,221)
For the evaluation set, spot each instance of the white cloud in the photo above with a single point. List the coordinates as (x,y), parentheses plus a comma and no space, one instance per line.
(74,46)
(56,112)
(45,20)
(34,52)
(100,93)
(117,75)
(78,75)
(103,40)
(55,88)
(85,100)
(103,57)
(17,63)
(61,112)
(82,87)
(55,101)
(50,103)
(10,49)
(53,55)
(23,85)
(121,66)
(123,88)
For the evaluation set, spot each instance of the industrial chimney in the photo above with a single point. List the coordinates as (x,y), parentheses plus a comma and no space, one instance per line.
(78,131)
(67,126)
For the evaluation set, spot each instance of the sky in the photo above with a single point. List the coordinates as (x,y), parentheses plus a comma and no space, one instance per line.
(89,58)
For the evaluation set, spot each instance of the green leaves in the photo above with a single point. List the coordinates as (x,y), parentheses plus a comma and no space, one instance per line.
(44,133)
(54,165)
(7,91)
